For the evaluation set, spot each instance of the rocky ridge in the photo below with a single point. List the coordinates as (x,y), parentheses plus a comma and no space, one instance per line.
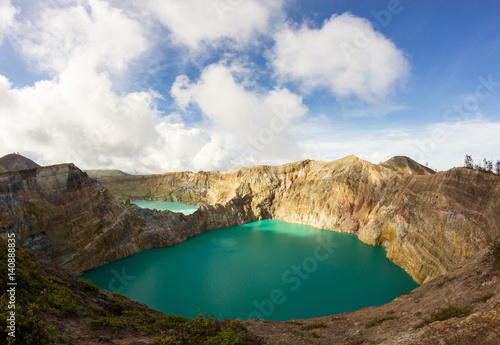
(428,223)
(432,224)
(73,222)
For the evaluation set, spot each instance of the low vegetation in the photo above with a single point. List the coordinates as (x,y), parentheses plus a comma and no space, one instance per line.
(46,299)
(378,320)
(291,322)
(445,314)
(40,299)
(494,255)
(484,298)
(210,331)
(86,284)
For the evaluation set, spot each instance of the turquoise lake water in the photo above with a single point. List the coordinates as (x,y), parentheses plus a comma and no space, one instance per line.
(268,269)
(164,205)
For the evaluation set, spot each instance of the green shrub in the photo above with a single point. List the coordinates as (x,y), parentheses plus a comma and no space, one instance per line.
(445,314)
(483,298)
(60,300)
(207,330)
(94,309)
(119,295)
(39,297)
(86,284)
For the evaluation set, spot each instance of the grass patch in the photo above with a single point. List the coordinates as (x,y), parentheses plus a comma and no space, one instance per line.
(297,333)
(445,314)
(210,331)
(314,326)
(378,320)
(298,323)
(440,285)
(86,284)
(94,309)
(107,322)
(119,295)
(40,297)
(314,335)
(483,298)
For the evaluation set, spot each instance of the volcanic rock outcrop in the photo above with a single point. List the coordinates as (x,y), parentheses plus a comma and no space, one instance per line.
(71,221)
(428,223)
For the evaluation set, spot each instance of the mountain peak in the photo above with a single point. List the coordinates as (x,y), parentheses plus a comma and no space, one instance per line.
(16,162)
(406,165)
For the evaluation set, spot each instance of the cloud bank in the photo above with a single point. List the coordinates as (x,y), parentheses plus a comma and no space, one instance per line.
(230,112)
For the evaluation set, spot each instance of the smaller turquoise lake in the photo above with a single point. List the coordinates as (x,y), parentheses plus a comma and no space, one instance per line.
(164,205)
(269,269)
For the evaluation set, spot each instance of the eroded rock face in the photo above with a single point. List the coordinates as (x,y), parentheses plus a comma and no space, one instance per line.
(427,223)
(73,222)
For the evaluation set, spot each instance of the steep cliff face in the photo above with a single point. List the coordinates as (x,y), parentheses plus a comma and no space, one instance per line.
(71,221)
(55,211)
(428,223)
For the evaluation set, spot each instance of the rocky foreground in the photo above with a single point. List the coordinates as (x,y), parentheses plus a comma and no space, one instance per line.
(431,224)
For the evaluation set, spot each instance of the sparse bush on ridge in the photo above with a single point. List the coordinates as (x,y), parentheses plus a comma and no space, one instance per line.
(445,314)
(487,166)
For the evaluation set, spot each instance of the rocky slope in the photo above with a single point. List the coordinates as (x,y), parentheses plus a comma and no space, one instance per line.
(54,308)
(71,221)
(428,222)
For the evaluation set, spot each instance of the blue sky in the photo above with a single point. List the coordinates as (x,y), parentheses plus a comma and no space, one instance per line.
(155,86)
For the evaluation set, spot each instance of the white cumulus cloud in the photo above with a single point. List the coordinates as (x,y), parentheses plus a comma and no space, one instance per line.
(346,55)
(7,17)
(260,119)
(51,38)
(196,23)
